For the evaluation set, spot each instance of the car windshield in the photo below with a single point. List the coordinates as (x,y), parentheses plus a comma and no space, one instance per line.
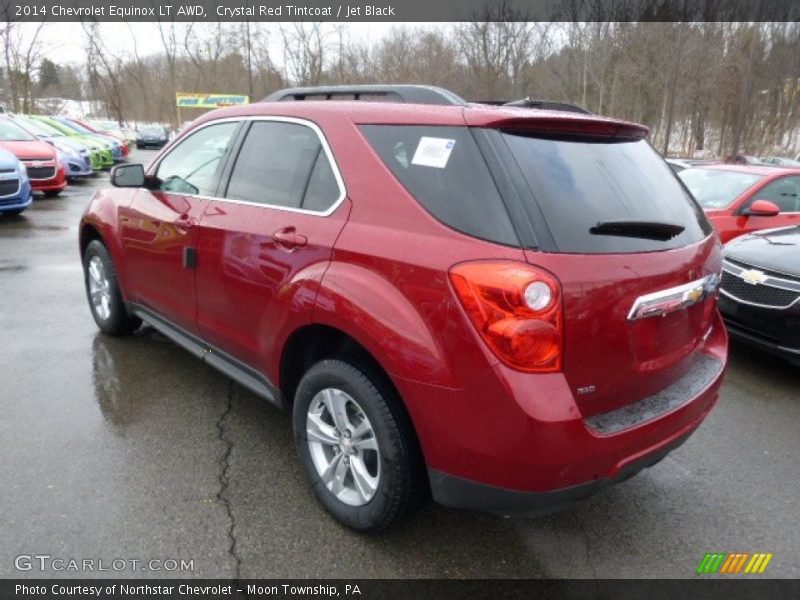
(715,188)
(106,125)
(11,132)
(36,129)
(45,128)
(76,127)
(151,131)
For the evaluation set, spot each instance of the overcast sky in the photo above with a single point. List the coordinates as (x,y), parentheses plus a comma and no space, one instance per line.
(65,42)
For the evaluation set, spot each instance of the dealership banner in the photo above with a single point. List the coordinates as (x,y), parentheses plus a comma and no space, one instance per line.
(209,100)
(399,10)
(418,589)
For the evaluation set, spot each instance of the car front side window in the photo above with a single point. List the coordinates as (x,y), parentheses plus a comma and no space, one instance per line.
(784,193)
(193,166)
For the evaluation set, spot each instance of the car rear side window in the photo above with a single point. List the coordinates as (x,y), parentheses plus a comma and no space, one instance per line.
(599,196)
(283,164)
(444,170)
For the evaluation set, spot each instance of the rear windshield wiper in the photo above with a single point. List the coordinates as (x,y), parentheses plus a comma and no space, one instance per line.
(649,230)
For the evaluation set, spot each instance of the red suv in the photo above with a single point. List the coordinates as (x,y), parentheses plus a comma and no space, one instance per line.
(506,308)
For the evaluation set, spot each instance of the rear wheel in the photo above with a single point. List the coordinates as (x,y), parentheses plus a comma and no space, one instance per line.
(357,446)
(102,291)
(52,193)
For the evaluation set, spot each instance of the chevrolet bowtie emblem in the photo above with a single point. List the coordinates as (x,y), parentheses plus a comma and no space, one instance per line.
(753,276)
(694,294)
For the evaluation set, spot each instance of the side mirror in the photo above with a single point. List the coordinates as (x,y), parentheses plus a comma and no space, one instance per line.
(127,176)
(763,208)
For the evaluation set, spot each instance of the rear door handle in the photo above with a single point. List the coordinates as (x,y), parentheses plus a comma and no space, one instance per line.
(289,238)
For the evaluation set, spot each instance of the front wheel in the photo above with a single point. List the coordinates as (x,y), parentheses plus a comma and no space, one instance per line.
(357,446)
(102,290)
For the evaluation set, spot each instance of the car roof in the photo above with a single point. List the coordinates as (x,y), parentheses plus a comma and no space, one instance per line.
(392,113)
(767,171)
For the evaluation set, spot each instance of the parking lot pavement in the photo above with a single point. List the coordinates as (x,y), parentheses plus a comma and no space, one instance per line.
(130,448)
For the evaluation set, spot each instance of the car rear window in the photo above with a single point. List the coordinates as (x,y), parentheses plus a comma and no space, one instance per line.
(444,170)
(717,189)
(581,184)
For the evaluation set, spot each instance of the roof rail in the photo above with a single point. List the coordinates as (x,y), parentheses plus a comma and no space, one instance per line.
(413,94)
(548,105)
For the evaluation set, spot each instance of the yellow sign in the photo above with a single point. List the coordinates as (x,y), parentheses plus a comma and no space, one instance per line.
(209,100)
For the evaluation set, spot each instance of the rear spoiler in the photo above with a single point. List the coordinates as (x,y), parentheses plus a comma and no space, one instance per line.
(568,125)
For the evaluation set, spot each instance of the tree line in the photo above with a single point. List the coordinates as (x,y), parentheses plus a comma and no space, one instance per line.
(708,88)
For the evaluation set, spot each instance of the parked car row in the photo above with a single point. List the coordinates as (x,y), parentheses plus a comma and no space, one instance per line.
(43,153)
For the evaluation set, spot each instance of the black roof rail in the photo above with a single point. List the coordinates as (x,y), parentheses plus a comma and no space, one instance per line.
(412,94)
(548,105)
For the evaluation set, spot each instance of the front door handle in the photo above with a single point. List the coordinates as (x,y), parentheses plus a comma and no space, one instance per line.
(185,223)
(289,238)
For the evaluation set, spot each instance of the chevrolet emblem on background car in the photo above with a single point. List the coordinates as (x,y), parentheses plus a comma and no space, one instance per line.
(753,276)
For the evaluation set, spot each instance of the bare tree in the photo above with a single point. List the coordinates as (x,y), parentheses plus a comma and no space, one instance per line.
(22,53)
(305,51)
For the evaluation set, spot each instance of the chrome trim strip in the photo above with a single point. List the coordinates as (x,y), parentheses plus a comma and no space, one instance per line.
(153,168)
(664,302)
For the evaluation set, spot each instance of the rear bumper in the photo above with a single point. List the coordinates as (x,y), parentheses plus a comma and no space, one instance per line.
(518,444)
(456,492)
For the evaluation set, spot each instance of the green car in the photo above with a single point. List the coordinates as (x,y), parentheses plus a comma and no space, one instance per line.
(95,155)
(106,158)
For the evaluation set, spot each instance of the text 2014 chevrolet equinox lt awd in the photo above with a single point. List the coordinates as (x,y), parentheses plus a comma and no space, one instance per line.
(505,308)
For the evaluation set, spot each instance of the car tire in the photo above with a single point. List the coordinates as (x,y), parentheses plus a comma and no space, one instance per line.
(13,213)
(367,489)
(102,292)
(51,193)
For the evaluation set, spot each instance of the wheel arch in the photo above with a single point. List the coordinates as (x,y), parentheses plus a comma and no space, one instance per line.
(314,342)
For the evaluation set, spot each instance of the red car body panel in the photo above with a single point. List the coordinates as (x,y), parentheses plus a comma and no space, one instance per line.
(36,154)
(377,270)
(730,222)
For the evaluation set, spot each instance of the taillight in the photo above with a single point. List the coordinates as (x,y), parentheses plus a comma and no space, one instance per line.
(517,310)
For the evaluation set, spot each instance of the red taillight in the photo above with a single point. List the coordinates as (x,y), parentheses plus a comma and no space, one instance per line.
(523,329)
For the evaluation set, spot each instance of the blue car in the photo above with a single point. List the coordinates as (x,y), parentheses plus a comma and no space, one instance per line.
(15,189)
(75,165)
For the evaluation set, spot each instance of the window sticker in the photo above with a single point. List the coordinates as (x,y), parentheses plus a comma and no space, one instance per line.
(433,152)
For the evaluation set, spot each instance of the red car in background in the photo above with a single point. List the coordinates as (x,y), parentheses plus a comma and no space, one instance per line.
(45,171)
(739,199)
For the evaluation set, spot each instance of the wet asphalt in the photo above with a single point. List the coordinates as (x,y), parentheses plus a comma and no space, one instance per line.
(130,448)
